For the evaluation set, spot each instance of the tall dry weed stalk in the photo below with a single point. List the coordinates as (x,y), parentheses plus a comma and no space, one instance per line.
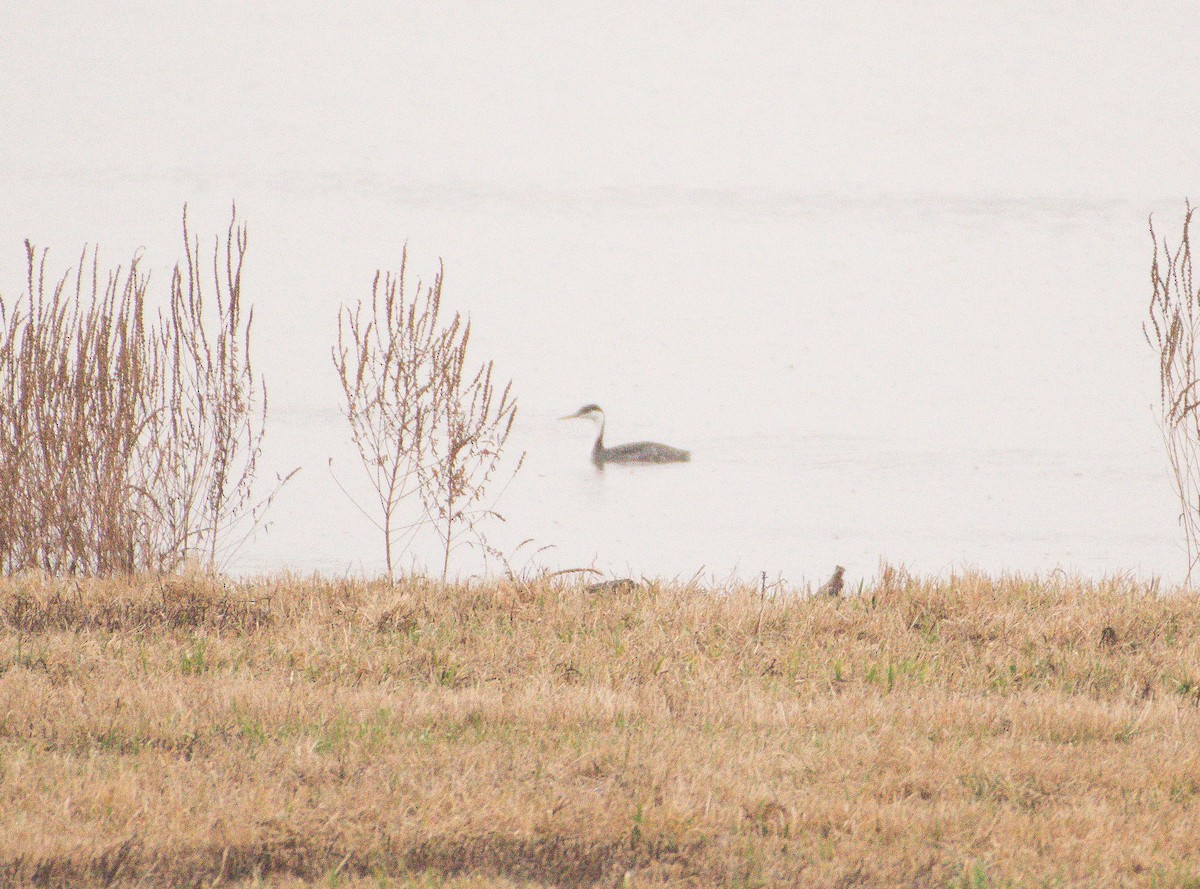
(77,379)
(129,439)
(216,416)
(1172,330)
(425,424)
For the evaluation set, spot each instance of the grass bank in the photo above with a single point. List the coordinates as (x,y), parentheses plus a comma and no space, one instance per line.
(964,732)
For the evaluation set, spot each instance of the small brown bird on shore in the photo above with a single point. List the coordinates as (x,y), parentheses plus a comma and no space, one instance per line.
(833,586)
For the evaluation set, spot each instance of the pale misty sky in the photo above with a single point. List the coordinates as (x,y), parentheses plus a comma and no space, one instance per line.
(1029,98)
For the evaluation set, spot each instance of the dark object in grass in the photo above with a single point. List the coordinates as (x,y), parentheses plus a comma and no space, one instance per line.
(833,586)
(620,585)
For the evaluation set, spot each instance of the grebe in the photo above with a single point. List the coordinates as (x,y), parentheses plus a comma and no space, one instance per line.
(637,452)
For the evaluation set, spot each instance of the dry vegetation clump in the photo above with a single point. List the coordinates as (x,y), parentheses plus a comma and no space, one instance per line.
(200,602)
(974,731)
(423,420)
(1172,329)
(129,436)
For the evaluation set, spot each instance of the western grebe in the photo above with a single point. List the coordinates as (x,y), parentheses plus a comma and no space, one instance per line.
(637,452)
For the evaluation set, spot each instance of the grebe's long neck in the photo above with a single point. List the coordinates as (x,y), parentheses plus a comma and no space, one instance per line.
(598,447)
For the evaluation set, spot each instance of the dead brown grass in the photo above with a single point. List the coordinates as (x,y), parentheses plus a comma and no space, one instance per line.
(970,732)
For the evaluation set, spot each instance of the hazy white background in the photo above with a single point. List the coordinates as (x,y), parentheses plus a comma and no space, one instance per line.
(881,266)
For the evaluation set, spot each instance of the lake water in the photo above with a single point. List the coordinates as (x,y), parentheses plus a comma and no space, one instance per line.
(882,270)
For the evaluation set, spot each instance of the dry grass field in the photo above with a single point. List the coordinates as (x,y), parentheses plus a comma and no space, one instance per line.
(965,732)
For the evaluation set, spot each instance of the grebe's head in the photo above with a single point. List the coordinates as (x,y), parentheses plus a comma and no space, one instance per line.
(587,412)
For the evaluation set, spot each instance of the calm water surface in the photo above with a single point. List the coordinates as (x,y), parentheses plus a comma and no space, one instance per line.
(942,385)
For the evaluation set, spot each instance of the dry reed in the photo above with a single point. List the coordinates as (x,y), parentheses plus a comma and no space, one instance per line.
(1172,330)
(423,421)
(129,438)
(963,732)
